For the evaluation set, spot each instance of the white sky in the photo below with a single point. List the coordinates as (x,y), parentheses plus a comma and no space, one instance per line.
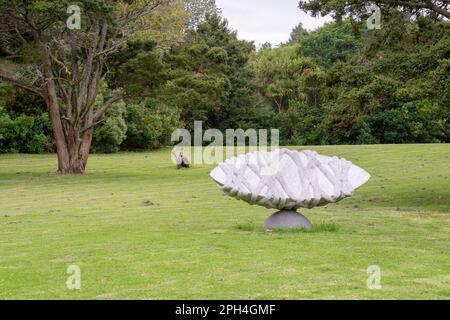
(266,20)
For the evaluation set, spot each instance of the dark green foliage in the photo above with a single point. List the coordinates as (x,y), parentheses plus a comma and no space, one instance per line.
(240,106)
(24,125)
(199,86)
(7,94)
(139,69)
(25,134)
(426,121)
(391,92)
(299,124)
(23,103)
(330,44)
(149,126)
(297,34)
(339,84)
(112,132)
(284,76)
(388,126)
(356,9)
(212,81)
(439,84)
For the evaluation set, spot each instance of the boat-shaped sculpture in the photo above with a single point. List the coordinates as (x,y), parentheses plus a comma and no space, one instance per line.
(287,180)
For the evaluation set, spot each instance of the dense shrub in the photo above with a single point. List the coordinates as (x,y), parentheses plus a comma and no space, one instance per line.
(388,126)
(149,126)
(299,124)
(339,84)
(426,121)
(330,44)
(25,134)
(112,132)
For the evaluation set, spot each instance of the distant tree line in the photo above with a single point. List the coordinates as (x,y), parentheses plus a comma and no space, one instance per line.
(339,84)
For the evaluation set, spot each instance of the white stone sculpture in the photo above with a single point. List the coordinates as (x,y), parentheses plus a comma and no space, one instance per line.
(287,180)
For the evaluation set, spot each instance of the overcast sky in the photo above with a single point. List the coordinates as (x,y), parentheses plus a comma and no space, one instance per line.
(266,20)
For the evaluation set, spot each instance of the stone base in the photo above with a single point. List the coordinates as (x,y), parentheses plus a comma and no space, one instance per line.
(287,219)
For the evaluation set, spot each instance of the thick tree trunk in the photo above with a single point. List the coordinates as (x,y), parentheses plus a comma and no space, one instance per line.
(58,132)
(68,72)
(74,163)
(77,161)
(66,137)
(78,150)
(74,166)
(72,152)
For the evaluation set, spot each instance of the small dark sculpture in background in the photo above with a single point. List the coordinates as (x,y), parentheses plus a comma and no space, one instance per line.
(181,159)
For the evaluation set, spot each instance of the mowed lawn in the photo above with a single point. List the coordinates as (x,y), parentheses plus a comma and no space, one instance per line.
(140,229)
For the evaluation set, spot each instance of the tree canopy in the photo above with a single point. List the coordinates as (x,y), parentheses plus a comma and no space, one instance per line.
(65,66)
(136,70)
(358,8)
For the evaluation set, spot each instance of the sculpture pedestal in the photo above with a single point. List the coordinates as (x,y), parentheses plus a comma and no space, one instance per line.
(287,219)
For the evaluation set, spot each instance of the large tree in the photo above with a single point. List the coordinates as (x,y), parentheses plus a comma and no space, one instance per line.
(284,76)
(330,44)
(340,8)
(297,33)
(211,80)
(48,55)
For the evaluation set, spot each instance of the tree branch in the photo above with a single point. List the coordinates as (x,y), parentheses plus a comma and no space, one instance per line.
(21,84)
(91,126)
(118,96)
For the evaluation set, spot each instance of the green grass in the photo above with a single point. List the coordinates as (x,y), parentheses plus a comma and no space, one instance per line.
(139,228)
(320,227)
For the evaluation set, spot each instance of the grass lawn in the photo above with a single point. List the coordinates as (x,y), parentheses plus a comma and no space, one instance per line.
(139,228)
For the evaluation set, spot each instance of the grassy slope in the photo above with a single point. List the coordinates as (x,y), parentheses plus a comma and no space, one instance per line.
(187,244)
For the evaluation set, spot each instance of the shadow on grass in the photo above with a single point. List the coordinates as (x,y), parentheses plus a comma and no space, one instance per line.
(320,227)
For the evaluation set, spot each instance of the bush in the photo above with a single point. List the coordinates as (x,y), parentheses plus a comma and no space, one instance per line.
(426,121)
(330,44)
(414,122)
(149,126)
(389,126)
(109,135)
(25,134)
(299,125)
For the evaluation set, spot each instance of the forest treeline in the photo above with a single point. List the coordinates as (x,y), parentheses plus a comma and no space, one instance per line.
(339,84)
